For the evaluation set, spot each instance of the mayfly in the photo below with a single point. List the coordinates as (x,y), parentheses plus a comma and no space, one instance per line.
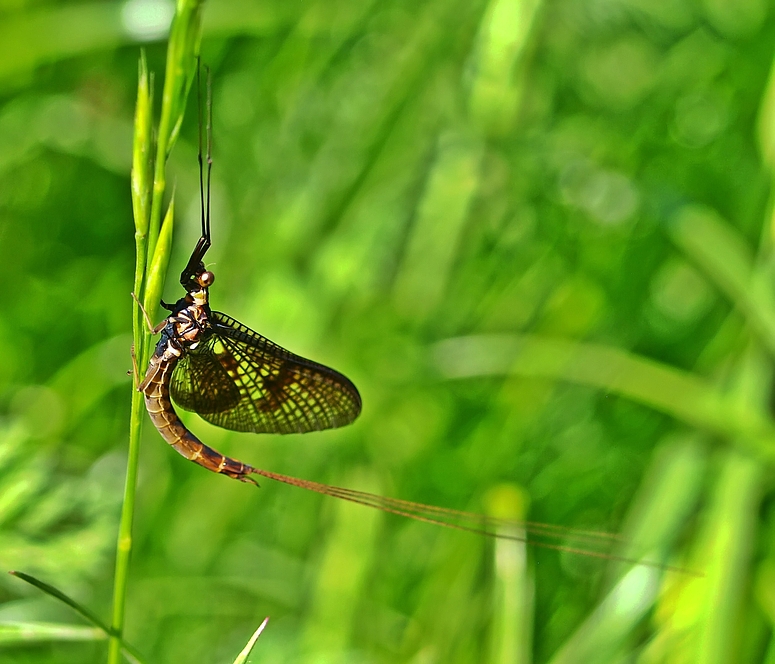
(209,363)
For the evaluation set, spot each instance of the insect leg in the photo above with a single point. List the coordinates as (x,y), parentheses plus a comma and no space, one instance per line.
(135,371)
(153,329)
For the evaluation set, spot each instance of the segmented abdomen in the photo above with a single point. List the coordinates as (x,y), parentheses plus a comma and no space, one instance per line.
(166,420)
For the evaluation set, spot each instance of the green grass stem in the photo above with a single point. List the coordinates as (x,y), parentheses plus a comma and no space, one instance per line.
(182,52)
(182,55)
(124,546)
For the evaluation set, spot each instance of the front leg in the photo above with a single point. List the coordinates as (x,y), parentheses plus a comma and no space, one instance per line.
(151,328)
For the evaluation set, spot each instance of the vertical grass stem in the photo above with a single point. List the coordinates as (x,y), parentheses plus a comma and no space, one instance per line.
(182,53)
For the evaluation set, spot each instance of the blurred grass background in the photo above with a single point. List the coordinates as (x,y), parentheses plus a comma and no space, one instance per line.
(413,194)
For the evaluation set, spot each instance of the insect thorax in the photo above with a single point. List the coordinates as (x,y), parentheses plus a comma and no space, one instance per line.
(184,330)
(191,325)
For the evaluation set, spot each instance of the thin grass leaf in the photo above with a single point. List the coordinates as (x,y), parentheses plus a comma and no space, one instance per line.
(613,621)
(38,632)
(243,656)
(130,651)
(157,270)
(182,57)
(58,594)
(730,546)
(142,189)
(707,610)
(662,387)
(182,53)
(668,493)
(504,37)
(725,257)
(766,120)
(142,149)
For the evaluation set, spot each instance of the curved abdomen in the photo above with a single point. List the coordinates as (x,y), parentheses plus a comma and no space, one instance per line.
(155,387)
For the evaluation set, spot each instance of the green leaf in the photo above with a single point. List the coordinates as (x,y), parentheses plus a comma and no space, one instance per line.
(766,120)
(142,193)
(129,651)
(726,258)
(182,53)
(671,489)
(157,270)
(58,594)
(708,608)
(243,656)
(660,386)
(32,632)
(142,149)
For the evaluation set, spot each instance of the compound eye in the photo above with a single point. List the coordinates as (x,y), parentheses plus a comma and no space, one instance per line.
(206,279)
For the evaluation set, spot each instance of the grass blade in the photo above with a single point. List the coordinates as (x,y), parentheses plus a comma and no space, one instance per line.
(58,594)
(182,52)
(159,263)
(674,392)
(142,186)
(37,632)
(243,656)
(129,651)
(725,257)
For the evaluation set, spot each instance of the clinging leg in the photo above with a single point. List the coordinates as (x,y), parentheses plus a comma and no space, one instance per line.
(151,328)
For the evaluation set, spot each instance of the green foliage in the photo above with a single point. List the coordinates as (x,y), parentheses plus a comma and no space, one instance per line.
(538,237)
(153,247)
(44,632)
(14,633)
(243,656)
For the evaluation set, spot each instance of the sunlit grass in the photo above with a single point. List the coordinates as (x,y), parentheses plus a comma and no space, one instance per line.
(153,242)
(538,238)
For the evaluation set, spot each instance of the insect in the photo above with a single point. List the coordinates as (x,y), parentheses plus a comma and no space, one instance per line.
(230,375)
(233,377)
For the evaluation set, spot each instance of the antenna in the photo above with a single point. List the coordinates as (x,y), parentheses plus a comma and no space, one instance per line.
(209,147)
(195,266)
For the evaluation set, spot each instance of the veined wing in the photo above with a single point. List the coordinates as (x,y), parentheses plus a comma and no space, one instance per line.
(239,380)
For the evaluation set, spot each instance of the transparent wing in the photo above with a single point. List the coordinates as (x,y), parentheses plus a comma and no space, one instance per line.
(239,380)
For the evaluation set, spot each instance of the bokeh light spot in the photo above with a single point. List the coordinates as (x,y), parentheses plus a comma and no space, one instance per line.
(147,20)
